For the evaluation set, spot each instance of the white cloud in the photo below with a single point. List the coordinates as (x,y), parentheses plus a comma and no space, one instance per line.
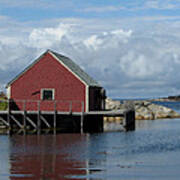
(103,9)
(107,39)
(162,5)
(136,61)
(46,37)
(133,6)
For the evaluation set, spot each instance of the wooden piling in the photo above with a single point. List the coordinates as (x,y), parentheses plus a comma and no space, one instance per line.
(39,117)
(24,117)
(82,119)
(8,113)
(55,116)
(70,107)
(129,120)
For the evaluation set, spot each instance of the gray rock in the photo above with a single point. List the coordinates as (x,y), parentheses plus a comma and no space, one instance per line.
(144,109)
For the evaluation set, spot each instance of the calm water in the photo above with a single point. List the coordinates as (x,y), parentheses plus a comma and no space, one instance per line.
(151,152)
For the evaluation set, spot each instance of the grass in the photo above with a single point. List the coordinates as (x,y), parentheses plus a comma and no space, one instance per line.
(3,104)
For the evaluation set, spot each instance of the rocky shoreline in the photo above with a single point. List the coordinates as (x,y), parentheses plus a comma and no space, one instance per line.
(144,110)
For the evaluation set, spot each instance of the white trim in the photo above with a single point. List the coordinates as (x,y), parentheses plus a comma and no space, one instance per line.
(87,99)
(44,89)
(68,68)
(8,91)
(86,85)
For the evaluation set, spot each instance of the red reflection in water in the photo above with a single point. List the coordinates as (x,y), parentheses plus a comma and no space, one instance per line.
(44,158)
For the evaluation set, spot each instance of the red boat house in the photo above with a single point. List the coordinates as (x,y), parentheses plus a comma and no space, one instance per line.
(55,80)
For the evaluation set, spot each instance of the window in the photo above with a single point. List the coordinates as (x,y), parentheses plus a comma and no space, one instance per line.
(47,94)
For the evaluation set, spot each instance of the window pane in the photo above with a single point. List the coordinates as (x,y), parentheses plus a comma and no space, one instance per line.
(47,95)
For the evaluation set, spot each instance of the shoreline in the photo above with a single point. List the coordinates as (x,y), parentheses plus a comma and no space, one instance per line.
(144,109)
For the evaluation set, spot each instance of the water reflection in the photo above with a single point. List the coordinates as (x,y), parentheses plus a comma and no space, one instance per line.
(45,157)
(153,150)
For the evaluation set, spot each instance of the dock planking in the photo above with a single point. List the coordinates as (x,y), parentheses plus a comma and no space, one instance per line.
(85,122)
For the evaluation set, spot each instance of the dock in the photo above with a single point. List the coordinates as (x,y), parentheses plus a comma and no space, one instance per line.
(57,120)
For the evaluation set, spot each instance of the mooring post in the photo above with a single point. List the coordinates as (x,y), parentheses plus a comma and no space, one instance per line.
(39,117)
(24,119)
(129,120)
(82,118)
(55,116)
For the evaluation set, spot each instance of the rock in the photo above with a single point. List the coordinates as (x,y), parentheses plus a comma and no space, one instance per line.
(145,110)
(144,113)
(110,104)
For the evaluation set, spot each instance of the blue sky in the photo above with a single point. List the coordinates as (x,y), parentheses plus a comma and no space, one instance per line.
(132,47)
(34,10)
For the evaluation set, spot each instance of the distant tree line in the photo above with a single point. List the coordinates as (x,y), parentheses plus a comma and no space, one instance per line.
(174,97)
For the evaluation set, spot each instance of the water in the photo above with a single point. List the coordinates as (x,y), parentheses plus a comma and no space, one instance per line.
(150,152)
(172,105)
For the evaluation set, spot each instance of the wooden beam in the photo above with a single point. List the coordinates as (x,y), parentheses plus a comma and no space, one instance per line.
(31,122)
(16,121)
(45,122)
(6,123)
(20,131)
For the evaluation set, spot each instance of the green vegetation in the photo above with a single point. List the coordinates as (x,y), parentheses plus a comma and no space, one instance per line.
(3,104)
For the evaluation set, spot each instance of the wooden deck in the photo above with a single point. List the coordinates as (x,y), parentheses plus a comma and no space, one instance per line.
(85,121)
(104,113)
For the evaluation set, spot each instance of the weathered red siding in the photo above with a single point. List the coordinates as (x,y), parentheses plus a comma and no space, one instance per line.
(49,73)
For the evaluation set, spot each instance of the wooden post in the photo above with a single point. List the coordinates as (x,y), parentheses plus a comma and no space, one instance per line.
(55,116)
(70,107)
(129,120)
(24,119)
(82,118)
(8,113)
(39,117)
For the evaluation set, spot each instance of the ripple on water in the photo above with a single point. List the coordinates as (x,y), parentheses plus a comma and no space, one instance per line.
(152,151)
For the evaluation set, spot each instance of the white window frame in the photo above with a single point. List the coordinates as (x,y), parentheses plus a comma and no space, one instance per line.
(48,89)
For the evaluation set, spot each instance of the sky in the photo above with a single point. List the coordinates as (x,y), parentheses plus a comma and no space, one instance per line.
(131,47)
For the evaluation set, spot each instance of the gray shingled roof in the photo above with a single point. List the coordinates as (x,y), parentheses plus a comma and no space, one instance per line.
(69,63)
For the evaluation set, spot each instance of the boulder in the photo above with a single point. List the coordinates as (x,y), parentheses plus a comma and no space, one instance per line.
(145,110)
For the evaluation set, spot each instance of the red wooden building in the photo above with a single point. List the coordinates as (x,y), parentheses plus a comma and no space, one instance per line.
(54,80)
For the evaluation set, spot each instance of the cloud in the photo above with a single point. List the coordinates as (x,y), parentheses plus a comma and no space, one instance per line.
(162,5)
(107,38)
(138,61)
(103,9)
(46,37)
(133,6)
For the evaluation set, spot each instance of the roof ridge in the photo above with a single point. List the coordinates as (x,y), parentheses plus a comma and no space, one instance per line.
(76,69)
